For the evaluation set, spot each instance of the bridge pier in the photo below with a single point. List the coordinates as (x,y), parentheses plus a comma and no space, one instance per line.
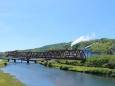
(35,61)
(21,60)
(27,60)
(14,60)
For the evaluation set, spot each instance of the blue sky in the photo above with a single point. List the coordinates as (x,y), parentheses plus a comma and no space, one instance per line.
(26,24)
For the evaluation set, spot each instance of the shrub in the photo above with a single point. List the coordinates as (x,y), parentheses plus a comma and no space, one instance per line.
(112,63)
(113,73)
(56,65)
(65,67)
(72,62)
(61,61)
(106,61)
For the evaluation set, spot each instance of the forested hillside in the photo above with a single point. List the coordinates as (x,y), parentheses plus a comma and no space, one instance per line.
(104,46)
(59,46)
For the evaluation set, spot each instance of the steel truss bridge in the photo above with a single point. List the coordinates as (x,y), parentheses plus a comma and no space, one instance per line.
(56,54)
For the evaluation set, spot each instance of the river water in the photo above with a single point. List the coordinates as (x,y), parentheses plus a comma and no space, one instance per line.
(38,75)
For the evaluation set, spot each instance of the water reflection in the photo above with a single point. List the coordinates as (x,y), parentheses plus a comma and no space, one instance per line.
(37,75)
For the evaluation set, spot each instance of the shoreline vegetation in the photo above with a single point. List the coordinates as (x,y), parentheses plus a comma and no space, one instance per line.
(6,79)
(103,65)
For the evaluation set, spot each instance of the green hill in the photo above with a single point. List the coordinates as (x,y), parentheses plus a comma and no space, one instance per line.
(104,46)
(59,46)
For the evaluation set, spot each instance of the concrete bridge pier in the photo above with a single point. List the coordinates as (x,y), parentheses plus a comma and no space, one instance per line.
(35,61)
(27,60)
(14,60)
(21,60)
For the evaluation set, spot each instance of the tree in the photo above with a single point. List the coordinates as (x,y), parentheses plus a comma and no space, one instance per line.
(103,48)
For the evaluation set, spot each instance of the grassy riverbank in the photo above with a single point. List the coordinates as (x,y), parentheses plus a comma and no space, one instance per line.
(101,65)
(6,79)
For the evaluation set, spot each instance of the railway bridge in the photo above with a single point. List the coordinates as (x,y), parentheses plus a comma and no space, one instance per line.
(55,54)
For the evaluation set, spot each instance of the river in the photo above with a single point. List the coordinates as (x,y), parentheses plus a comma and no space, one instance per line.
(38,75)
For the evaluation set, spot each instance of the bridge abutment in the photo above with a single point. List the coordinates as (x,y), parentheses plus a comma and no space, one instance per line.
(8,60)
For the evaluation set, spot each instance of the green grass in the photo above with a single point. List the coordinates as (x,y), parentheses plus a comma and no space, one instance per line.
(6,79)
(76,67)
(2,63)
